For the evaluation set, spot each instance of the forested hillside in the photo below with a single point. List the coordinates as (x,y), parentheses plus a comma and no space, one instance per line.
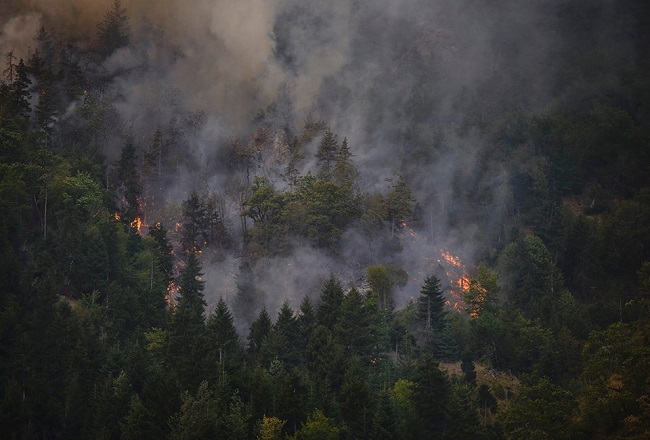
(325,220)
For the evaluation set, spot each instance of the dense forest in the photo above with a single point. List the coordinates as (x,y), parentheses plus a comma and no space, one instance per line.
(325,220)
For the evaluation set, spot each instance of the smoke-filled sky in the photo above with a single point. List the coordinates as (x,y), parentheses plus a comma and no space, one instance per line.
(410,83)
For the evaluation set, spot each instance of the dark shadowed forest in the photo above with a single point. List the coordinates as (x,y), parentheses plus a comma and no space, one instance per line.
(282,219)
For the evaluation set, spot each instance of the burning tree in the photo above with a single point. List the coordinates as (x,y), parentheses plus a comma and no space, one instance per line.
(481,291)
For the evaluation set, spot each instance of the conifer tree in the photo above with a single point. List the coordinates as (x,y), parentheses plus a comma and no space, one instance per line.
(430,396)
(344,172)
(354,328)
(283,341)
(305,322)
(19,106)
(158,232)
(354,400)
(331,299)
(400,202)
(384,421)
(129,183)
(194,225)
(326,154)
(259,332)
(10,71)
(431,304)
(223,338)
(197,417)
(187,331)
(112,31)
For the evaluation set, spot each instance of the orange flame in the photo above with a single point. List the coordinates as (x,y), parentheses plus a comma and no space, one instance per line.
(136,223)
(172,290)
(449,258)
(463,283)
(456,272)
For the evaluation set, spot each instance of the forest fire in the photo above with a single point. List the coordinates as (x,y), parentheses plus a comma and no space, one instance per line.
(458,278)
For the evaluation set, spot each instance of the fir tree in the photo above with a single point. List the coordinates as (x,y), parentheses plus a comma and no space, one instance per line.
(129,184)
(112,31)
(259,332)
(187,331)
(431,304)
(344,172)
(158,232)
(223,338)
(194,225)
(331,299)
(326,154)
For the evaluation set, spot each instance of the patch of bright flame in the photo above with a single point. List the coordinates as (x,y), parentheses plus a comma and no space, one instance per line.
(451,259)
(136,223)
(172,291)
(460,282)
(463,283)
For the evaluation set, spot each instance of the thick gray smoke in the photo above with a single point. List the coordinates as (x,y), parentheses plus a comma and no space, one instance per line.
(409,83)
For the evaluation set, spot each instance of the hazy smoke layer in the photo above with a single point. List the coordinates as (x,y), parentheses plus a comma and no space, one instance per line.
(409,83)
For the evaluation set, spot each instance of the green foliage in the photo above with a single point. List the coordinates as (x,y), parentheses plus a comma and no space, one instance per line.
(400,203)
(318,427)
(259,332)
(265,207)
(382,280)
(327,153)
(354,326)
(482,290)
(197,417)
(344,172)
(271,428)
(430,397)
(532,279)
(331,298)
(283,340)
(325,361)
(112,31)
(194,224)
(326,208)
(615,373)
(355,400)
(187,337)
(90,349)
(431,305)
(236,421)
(541,411)
(129,188)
